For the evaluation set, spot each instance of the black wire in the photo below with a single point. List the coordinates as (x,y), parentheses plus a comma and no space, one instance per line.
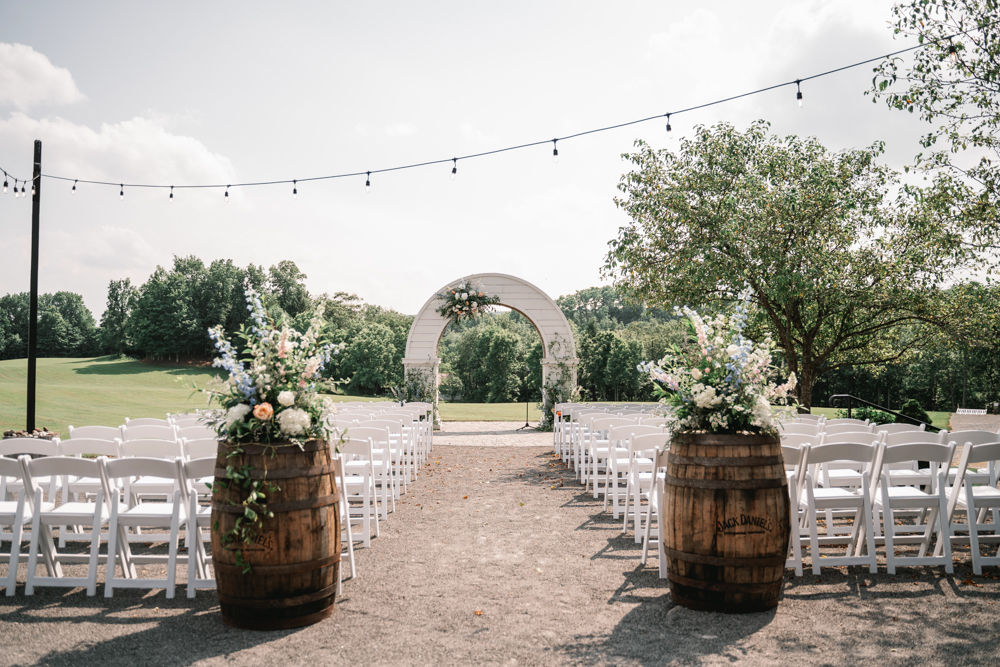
(470,156)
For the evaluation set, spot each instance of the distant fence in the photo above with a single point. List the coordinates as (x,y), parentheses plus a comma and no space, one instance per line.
(969,411)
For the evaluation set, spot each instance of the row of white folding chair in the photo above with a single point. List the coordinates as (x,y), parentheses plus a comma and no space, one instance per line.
(623,462)
(643,449)
(109,509)
(595,448)
(655,501)
(976,497)
(400,444)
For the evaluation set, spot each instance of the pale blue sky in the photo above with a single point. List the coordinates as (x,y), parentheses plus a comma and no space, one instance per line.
(225,92)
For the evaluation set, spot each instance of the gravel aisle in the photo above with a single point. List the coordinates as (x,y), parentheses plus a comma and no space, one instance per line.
(496,557)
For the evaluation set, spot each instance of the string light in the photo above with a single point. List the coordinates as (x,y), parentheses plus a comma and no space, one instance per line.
(952,54)
(32,187)
(5,182)
(73,191)
(22,189)
(171,194)
(17,195)
(454,167)
(295,190)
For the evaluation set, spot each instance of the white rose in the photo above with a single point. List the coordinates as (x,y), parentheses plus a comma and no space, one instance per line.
(696,374)
(465,295)
(294,421)
(732,350)
(286,398)
(707,398)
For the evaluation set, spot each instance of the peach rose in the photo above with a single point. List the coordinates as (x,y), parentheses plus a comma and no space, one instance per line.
(263,412)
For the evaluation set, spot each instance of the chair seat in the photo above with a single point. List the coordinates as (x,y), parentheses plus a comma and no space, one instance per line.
(8,511)
(75,510)
(907,493)
(147,511)
(830,493)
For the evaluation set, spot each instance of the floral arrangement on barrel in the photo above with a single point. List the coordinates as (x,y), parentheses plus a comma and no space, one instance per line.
(270,398)
(467,300)
(720,383)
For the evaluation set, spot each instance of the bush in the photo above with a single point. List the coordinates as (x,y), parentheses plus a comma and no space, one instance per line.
(911,408)
(867,412)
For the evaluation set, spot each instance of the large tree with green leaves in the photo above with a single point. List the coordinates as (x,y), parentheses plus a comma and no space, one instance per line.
(114,322)
(838,273)
(953,82)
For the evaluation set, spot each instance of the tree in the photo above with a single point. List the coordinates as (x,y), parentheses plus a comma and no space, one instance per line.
(498,373)
(121,301)
(623,378)
(369,358)
(164,321)
(837,273)
(287,285)
(953,80)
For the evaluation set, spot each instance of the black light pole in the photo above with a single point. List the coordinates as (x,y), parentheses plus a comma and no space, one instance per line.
(36,198)
(527,401)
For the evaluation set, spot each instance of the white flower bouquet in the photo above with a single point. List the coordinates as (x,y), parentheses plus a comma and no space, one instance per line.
(466,300)
(720,381)
(271,395)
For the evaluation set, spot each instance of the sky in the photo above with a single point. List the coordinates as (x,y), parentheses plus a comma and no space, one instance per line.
(226,92)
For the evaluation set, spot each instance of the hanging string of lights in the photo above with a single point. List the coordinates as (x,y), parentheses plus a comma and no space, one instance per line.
(952,54)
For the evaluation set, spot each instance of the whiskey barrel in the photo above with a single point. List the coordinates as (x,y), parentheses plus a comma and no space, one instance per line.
(295,558)
(726,521)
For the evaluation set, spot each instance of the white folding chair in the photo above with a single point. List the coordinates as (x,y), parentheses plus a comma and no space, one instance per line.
(96,432)
(890,429)
(117,476)
(598,449)
(78,488)
(857,501)
(929,502)
(95,514)
(841,421)
(382,463)
(619,462)
(197,433)
(199,516)
(15,447)
(643,450)
(359,485)
(15,514)
(800,429)
(653,510)
(146,421)
(146,432)
(845,427)
(200,448)
(397,448)
(976,500)
(347,536)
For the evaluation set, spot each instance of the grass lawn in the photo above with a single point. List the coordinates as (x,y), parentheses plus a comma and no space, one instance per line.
(939,419)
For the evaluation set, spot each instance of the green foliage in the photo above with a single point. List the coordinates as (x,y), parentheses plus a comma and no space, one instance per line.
(115,336)
(911,408)
(370,360)
(952,83)
(873,415)
(66,327)
(496,357)
(286,284)
(837,273)
(451,386)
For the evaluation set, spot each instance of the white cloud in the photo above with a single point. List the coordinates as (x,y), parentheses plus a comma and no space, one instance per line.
(28,78)
(400,130)
(138,150)
(110,246)
(469,131)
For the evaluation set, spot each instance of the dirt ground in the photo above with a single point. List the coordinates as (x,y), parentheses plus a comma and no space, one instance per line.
(496,557)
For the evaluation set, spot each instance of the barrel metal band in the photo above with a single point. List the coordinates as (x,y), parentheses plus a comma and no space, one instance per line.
(727,483)
(291,568)
(726,587)
(724,607)
(288,506)
(723,461)
(262,603)
(283,473)
(766,561)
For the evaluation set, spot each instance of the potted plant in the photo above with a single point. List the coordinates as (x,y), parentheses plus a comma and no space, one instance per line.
(725,516)
(275,513)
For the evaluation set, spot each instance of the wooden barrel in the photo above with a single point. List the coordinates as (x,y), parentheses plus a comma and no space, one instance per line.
(726,520)
(295,558)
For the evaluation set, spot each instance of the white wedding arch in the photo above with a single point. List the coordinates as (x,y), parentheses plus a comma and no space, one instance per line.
(559,348)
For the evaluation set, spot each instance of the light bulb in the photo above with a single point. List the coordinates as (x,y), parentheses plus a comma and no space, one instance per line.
(22,190)
(5,182)
(295,190)
(953,54)
(555,152)
(368,182)
(17,195)
(73,191)
(32,189)
(121,194)
(454,168)
(171,194)
(227,193)
(668,123)
(798,93)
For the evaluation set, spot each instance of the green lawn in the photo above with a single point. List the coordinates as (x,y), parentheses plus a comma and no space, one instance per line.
(939,419)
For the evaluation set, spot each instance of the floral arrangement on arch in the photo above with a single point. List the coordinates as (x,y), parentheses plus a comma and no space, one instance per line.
(721,382)
(467,300)
(271,396)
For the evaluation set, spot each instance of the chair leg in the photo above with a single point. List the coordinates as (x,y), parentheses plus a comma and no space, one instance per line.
(29,581)
(17,533)
(113,536)
(943,535)
(890,550)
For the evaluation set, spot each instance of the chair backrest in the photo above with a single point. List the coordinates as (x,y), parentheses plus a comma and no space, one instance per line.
(922,451)
(168,449)
(653,421)
(628,430)
(190,471)
(356,447)
(144,432)
(854,427)
(798,440)
(196,433)
(792,456)
(394,427)
(898,428)
(800,429)
(99,432)
(846,420)
(187,423)
(59,466)
(404,420)
(127,468)
(198,448)
(852,436)
(859,452)
(146,421)
(644,443)
(916,437)
(808,417)
(378,436)
(607,422)
(962,438)
(11,470)
(80,446)
(36,446)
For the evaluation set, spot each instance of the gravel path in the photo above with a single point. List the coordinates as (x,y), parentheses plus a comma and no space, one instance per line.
(496,557)
(974,423)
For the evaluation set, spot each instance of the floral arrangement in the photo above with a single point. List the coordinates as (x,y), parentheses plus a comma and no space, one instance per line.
(270,398)
(720,382)
(466,300)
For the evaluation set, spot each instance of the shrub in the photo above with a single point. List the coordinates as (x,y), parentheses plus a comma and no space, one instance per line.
(911,408)
(867,412)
